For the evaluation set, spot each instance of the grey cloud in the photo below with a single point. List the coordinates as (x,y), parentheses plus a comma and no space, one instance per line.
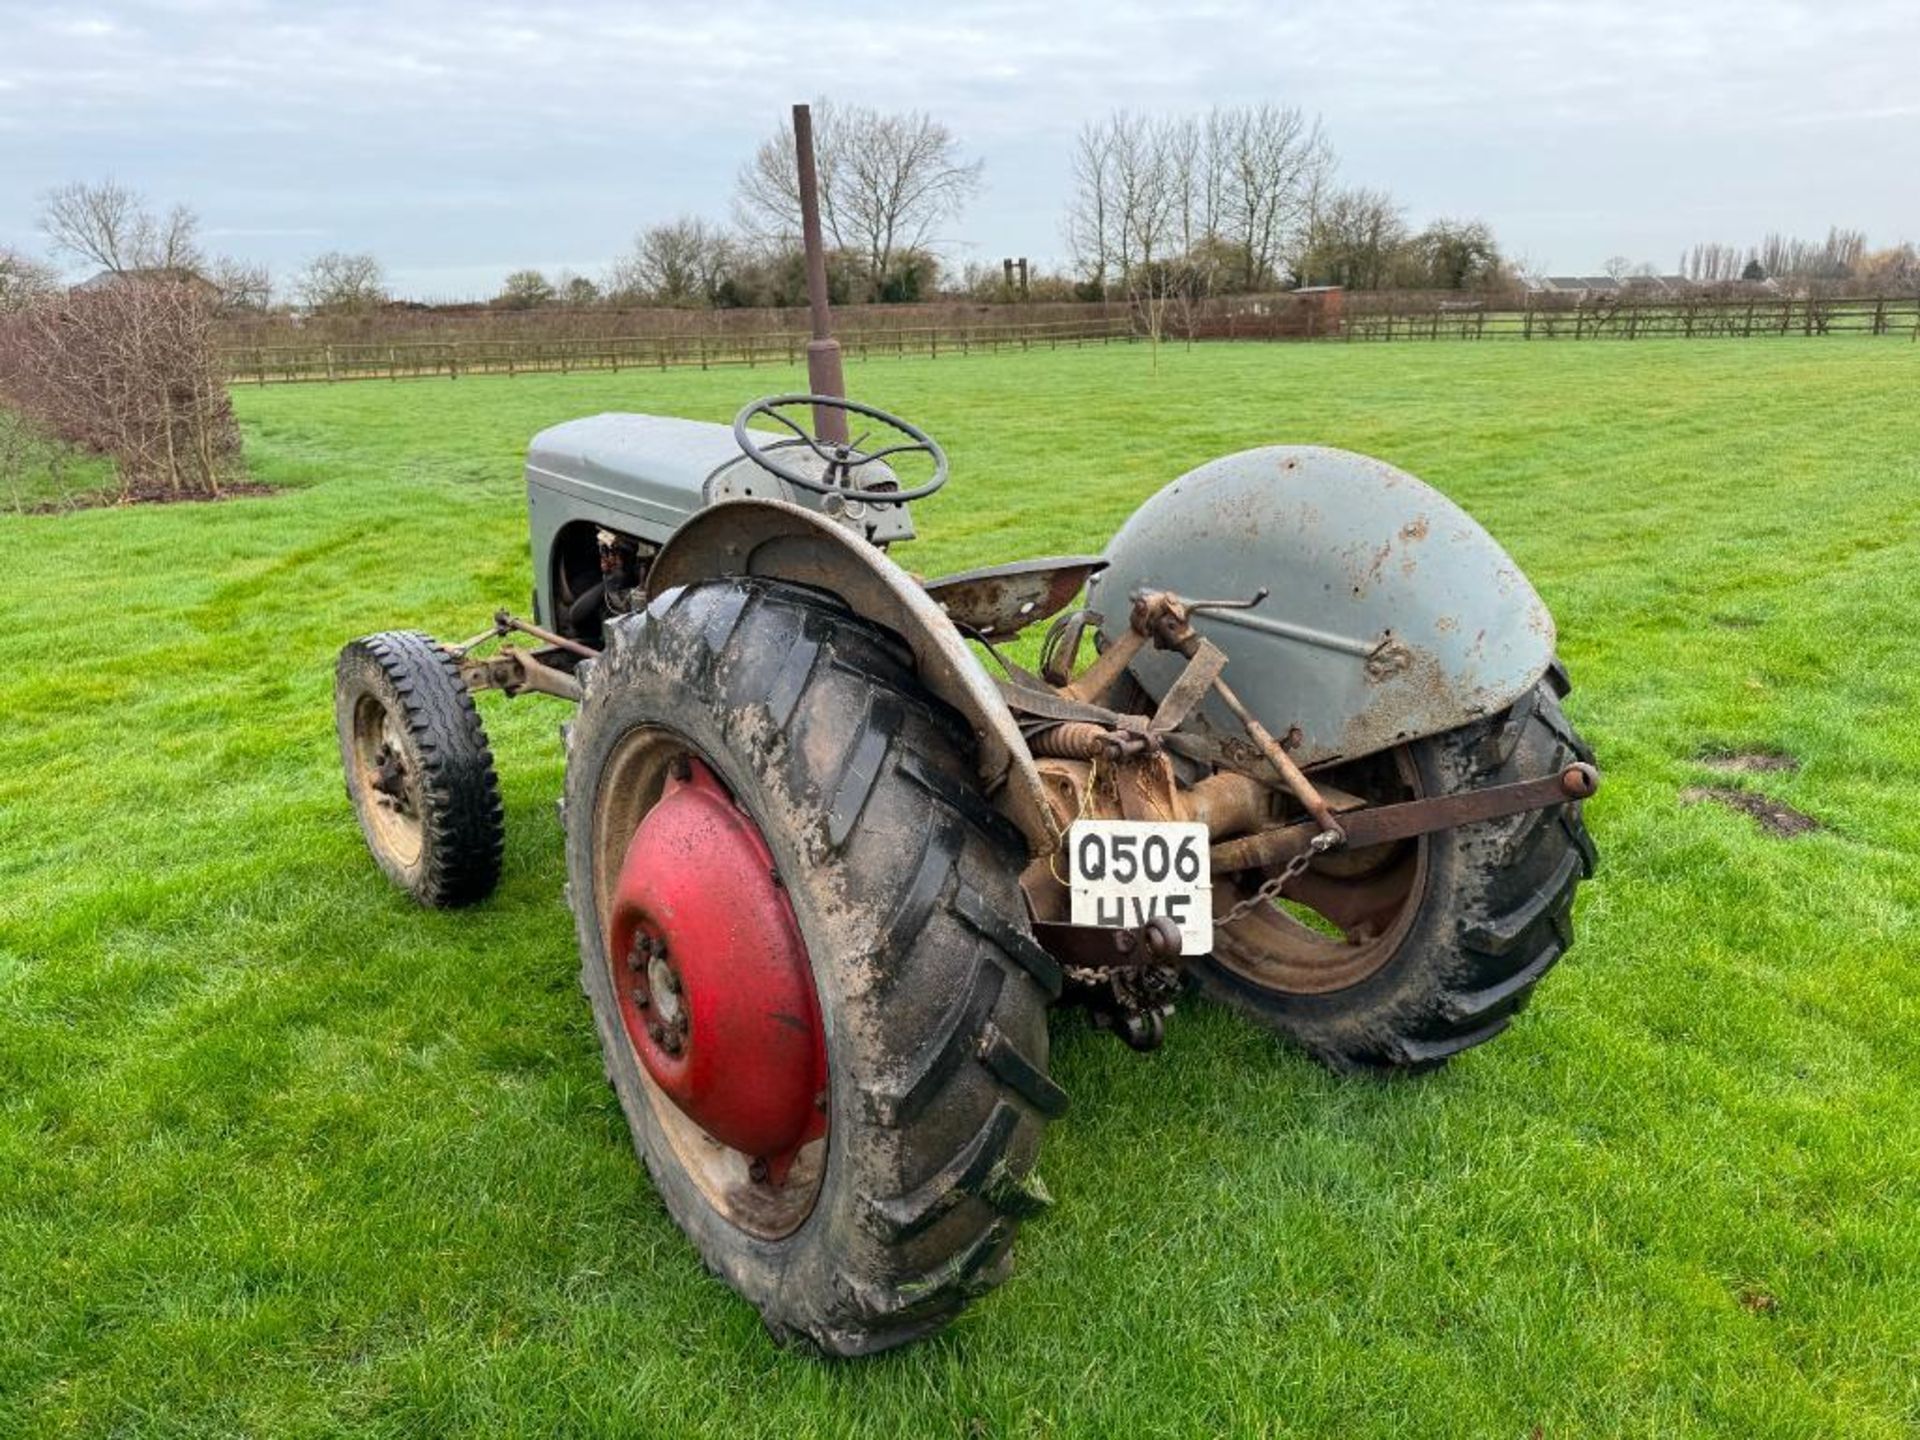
(461,140)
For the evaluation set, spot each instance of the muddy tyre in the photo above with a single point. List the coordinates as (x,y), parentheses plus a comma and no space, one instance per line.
(884,1217)
(1445,937)
(418,768)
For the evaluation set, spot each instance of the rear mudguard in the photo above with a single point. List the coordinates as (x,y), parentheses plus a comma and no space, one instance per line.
(780,541)
(1392,614)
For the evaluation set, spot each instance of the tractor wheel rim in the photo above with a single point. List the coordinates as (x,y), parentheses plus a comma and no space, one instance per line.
(712,983)
(1367,899)
(389,787)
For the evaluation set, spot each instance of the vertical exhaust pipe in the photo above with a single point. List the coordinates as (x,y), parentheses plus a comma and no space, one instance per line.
(824,375)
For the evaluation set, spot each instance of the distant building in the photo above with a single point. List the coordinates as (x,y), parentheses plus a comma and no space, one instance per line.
(1579,286)
(150,275)
(1584,287)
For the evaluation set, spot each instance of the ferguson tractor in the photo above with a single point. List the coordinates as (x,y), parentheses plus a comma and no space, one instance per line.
(1294,739)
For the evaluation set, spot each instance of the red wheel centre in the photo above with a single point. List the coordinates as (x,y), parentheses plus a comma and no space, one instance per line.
(712,976)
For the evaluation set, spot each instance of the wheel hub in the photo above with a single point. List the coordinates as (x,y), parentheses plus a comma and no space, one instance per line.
(715,988)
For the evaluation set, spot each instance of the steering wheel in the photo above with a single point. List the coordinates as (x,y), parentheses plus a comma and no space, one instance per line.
(841,460)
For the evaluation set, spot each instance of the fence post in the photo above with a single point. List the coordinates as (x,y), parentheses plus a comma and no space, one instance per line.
(1526,332)
(393,363)
(703,352)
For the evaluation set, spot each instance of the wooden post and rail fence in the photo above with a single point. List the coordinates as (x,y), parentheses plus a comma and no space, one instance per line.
(450,359)
(1362,318)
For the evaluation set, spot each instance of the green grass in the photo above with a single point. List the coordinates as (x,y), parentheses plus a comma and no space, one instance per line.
(282,1155)
(38,474)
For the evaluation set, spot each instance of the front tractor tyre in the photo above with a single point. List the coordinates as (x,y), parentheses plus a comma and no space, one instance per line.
(803,939)
(1400,956)
(418,768)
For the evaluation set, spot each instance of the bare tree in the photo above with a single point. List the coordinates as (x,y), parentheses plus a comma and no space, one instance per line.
(1355,238)
(1713,263)
(679,262)
(23,280)
(1147,195)
(112,226)
(1090,223)
(130,371)
(901,178)
(887,182)
(242,286)
(1791,258)
(1233,193)
(766,202)
(1275,162)
(344,282)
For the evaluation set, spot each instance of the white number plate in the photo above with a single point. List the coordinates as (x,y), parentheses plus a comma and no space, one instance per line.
(1125,872)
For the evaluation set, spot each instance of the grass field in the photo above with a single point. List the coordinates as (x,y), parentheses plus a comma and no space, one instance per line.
(38,474)
(282,1155)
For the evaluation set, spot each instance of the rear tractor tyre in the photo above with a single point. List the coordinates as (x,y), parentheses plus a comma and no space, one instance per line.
(418,768)
(1421,950)
(803,939)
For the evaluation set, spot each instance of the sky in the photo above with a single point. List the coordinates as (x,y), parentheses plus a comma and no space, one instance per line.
(459,139)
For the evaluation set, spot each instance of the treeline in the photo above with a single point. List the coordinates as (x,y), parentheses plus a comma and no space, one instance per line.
(1159,211)
(1843,256)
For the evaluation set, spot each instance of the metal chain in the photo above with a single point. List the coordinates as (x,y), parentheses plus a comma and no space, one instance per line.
(1269,890)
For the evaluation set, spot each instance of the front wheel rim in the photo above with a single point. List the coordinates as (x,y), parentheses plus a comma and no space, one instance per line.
(389,785)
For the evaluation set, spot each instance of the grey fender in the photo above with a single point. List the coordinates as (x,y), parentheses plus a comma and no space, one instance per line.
(1392,614)
(780,541)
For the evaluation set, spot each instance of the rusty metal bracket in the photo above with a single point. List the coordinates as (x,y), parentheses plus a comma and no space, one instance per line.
(1200,676)
(1163,616)
(1381,824)
(1094,947)
(516,672)
(503,622)
(1107,669)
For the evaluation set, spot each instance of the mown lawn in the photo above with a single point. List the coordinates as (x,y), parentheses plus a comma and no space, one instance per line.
(39,474)
(282,1155)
